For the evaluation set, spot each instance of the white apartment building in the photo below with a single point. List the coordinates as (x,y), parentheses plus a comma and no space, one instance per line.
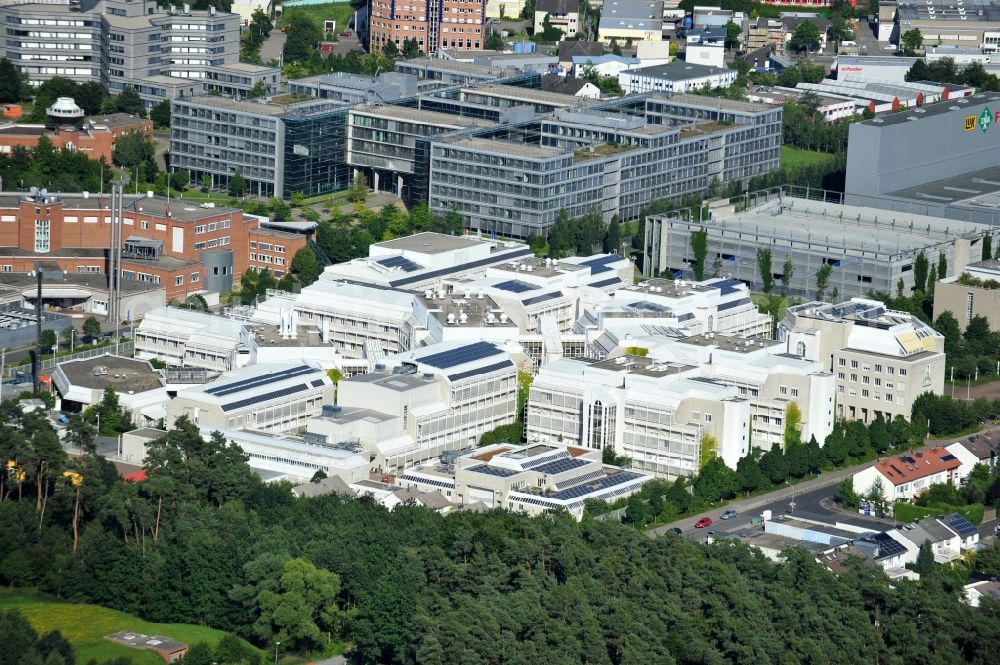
(277,398)
(883,359)
(184,337)
(658,409)
(418,404)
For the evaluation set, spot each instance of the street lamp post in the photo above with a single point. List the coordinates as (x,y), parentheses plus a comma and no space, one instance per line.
(276,652)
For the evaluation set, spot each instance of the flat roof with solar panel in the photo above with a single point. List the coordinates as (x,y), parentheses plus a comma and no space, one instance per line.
(516,286)
(459,356)
(400,262)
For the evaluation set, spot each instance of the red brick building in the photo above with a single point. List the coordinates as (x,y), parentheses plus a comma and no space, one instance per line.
(458,24)
(186,247)
(96,137)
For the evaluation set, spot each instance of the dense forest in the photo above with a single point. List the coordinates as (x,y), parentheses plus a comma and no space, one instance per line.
(202,540)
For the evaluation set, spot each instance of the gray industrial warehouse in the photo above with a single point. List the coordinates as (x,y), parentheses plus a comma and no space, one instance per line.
(866,249)
(938,160)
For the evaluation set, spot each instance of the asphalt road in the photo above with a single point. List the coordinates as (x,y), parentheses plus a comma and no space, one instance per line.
(813,499)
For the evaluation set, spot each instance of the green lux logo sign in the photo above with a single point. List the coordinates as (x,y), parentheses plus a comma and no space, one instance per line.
(982,122)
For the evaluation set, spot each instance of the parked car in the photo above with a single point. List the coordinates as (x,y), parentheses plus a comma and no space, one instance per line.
(703,523)
(890,47)
(676,530)
(728,515)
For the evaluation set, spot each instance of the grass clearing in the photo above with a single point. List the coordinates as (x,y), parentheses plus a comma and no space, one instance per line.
(341,12)
(908,512)
(798,158)
(86,626)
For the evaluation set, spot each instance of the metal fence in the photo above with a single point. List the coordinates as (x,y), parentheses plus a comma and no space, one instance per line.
(117,349)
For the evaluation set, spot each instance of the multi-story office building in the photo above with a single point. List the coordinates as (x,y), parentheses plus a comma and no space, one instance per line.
(358,89)
(614,158)
(661,410)
(883,359)
(440,24)
(278,398)
(386,139)
(504,155)
(419,404)
(633,313)
(866,249)
(46,40)
(277,149)
(187,338)
(186,247)
(164,53)
(972,293)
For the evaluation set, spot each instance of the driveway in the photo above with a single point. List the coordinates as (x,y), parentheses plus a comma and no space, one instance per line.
(272,46)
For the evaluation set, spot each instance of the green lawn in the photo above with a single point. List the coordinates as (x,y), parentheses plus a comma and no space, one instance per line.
(85,626)
(340,12)
(907,512)
(797,157)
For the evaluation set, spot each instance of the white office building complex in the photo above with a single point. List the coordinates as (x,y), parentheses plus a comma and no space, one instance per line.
(883,359)
(532,478)
(277,398)
(660,410)
(419,404)
(188,338)
(672,307)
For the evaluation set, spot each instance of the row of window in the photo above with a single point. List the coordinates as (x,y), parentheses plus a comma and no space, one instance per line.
(865,367)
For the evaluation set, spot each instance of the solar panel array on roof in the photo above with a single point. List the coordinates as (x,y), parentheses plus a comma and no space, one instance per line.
(493,258)
(727,286)
(497,471)
(959,525)
(461,355)
(887,546)
(317,383)
(600,264)
(606,282)
(266,397)
(604,483)
(516,286)
(400,262)
(542,298)
(480,371)
(264,379)
(734,303)
(646,306)
(428,481)
(561,466)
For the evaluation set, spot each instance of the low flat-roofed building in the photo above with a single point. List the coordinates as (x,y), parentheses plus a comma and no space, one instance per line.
(189,338)
(831,107)
(296,459)
(277,398)
(531,478)
(423,260)
(867,249)
(883,359)
(678,76)
(81,383)
(630,20)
